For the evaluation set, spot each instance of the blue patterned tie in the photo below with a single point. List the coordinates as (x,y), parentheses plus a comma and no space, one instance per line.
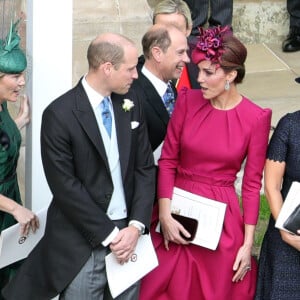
(106,115)
(169,99)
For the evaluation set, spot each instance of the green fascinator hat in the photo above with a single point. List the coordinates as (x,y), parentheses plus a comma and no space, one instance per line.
(12,58)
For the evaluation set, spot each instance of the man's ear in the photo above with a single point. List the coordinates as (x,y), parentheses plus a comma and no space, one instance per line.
(106,67)
(157,53)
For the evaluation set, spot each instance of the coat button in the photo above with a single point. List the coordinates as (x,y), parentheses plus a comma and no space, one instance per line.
(108,196)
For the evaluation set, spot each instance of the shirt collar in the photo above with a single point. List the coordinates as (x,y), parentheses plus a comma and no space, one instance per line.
(159,85)
(94,97)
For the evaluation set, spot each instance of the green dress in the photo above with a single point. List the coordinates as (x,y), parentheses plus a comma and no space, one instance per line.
(10,142)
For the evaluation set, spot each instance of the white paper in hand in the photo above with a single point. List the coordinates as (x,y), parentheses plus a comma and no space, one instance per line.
(157,153)
(13,247)
(290,203)
(121,277)
(209,213)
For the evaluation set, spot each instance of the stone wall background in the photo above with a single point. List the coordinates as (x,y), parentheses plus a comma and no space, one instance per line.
(254,21)
(91,17)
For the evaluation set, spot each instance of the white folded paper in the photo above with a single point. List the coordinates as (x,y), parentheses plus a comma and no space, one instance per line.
(290,203)
(209,213)
(14,247)
(121,277)
(157,153)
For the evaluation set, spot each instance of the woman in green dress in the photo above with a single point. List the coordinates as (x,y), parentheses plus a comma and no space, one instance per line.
(12,64)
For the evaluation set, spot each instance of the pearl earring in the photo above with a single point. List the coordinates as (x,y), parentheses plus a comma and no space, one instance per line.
(227,85)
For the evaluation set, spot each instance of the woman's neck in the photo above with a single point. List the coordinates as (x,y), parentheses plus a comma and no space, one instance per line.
(227,100)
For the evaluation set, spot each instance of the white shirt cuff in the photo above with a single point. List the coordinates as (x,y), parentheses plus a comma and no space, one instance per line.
(110,237)
(140,226)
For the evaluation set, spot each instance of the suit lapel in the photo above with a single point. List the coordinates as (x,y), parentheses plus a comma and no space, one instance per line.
(153,98)
(123,130)
(86,117)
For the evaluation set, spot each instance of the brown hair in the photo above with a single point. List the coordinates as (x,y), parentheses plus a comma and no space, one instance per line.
(107,48)
(234,57)
(100,52)
(157,36)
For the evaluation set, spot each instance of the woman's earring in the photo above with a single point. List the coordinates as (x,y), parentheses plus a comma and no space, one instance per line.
(227,85)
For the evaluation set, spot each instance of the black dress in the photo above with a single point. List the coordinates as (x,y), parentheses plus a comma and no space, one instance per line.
(279,263)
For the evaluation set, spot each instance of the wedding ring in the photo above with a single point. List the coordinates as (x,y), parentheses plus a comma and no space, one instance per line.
(248,268)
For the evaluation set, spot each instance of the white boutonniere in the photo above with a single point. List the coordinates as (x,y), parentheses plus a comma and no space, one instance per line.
(127,104)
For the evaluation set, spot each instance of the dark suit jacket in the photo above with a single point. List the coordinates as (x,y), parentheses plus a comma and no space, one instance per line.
(157,117)
(78,175)
(192,69)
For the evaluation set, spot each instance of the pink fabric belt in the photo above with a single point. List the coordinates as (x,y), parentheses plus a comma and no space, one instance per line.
(187,175)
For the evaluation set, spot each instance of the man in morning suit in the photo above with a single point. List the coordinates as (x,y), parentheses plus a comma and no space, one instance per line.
(99,167)
(165,51)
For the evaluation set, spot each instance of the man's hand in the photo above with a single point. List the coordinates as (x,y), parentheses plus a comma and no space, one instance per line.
(124,243)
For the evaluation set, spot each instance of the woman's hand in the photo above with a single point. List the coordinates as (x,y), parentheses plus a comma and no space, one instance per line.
(26,218)
(23,116)
(291,239)
(171,230)
(242,263)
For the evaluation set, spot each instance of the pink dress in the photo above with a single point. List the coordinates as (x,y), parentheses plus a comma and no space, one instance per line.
(203,151)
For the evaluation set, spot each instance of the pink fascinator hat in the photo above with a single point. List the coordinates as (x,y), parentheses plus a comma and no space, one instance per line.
(210,44)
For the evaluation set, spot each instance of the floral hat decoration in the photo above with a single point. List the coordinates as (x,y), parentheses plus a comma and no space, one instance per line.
(210,44)
(12,58)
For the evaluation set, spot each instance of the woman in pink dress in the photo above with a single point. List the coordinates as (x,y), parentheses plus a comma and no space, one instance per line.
(212,132)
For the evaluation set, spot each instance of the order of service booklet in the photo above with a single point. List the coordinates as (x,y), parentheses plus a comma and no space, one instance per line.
(120,277)
(209,213)
(14,247)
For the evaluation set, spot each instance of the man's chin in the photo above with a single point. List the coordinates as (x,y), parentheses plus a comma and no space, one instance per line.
(123,91)
(177,75)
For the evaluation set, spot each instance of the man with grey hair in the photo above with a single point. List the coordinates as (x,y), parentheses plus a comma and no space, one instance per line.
(99,166)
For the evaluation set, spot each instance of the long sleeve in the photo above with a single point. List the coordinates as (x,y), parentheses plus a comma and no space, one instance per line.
(255,161)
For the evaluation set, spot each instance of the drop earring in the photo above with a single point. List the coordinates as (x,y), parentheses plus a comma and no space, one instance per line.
(227,85)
